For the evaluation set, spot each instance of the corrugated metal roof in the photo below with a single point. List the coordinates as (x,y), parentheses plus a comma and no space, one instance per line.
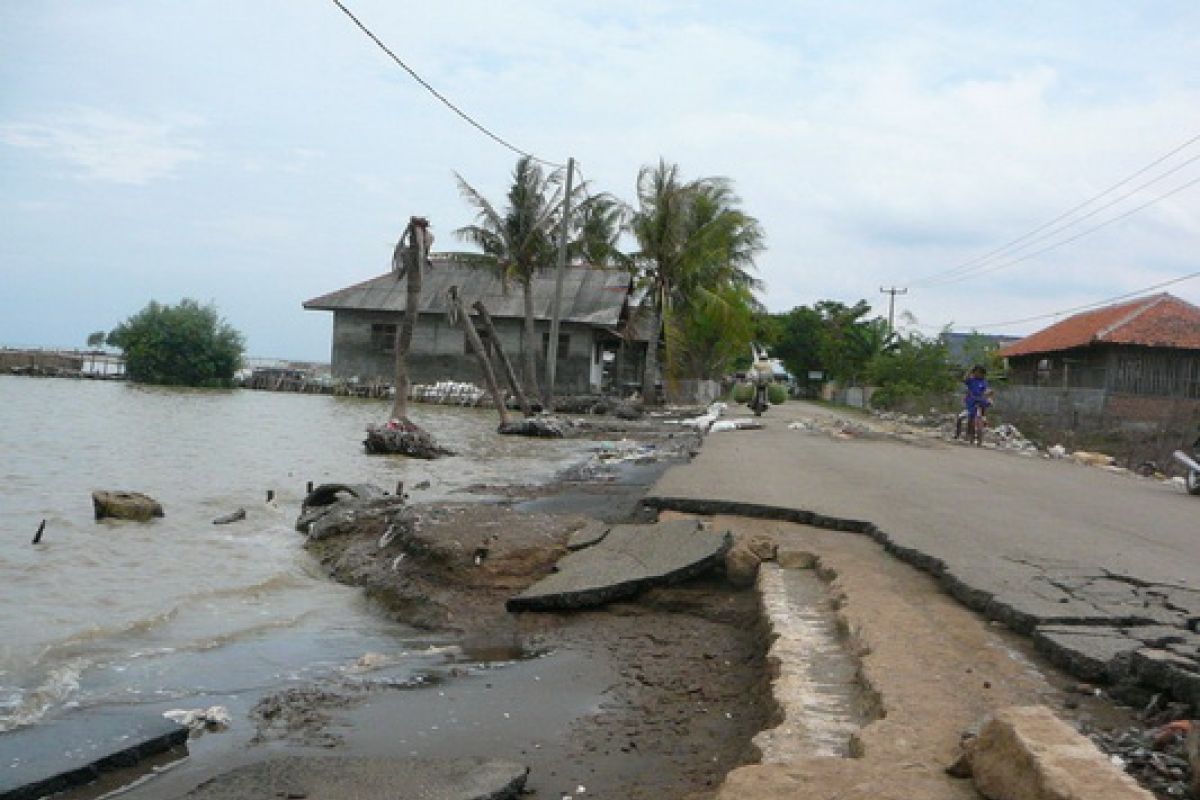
(1162,320)
(590,295)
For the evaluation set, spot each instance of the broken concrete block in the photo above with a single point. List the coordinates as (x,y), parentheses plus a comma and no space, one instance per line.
(626,561)
(1027,753)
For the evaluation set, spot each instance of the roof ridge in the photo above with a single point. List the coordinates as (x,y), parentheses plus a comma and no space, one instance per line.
(1146,304)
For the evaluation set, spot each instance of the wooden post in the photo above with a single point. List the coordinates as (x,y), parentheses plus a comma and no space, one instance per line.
(509,375)
(485,365)
(37,537)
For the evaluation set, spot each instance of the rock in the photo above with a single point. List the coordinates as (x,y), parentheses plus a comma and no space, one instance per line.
(629,559)
(1092,459)
(125,505)
(742,560)
(1027,753)
(235,516)
(543,427)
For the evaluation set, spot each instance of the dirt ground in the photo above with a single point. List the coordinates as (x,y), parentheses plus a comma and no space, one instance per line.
(671,696)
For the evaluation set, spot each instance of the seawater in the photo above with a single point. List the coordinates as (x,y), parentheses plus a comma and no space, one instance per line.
(178,612)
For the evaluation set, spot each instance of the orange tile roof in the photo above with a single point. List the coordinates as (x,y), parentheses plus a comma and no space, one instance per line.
(1161,320)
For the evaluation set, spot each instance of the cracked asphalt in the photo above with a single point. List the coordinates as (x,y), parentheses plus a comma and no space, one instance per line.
(1101,568)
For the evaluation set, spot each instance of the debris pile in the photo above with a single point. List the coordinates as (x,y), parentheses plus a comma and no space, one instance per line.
(1157,753)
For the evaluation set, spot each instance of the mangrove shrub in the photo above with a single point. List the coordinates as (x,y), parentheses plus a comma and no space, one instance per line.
(184,345)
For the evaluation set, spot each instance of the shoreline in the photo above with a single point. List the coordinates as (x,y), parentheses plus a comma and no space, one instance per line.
(608,678)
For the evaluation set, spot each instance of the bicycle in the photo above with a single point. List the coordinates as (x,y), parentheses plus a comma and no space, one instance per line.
(977,426)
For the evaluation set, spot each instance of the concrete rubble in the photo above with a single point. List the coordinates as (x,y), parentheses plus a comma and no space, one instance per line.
(1028,753)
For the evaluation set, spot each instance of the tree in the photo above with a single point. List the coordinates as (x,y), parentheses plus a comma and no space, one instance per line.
(715,332)
(519,241)
(183,345)
(914,367)
(599,220)
(693,245)
(96,339)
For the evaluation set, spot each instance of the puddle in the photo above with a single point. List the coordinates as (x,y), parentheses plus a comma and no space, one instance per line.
(817,686)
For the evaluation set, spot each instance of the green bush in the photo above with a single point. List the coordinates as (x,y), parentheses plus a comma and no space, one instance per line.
(183,345)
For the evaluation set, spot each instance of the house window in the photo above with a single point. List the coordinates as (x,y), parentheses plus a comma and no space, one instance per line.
(564,343)
(383,338)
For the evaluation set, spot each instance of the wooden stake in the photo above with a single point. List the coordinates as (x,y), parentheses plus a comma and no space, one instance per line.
(37,537)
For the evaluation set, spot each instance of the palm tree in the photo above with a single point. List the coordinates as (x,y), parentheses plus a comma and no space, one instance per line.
(598,223)
(693,244)
(519,241)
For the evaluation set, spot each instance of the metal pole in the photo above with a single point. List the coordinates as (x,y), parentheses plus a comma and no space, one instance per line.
(552,345)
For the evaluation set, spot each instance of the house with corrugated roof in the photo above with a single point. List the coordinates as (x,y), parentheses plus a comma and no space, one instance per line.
(1135,361)
(595,352)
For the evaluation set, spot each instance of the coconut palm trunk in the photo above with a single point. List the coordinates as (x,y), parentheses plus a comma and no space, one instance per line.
(407,261)
(530,360)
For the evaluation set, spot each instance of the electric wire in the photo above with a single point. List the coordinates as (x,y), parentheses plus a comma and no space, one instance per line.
(478,126)
(983,269)
(991,255)
(1080,235)
(1096,304)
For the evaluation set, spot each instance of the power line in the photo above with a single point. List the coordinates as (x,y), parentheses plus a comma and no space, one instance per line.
(1080,235)
(494,137)
(983,269)
(1096,304)
(967,265)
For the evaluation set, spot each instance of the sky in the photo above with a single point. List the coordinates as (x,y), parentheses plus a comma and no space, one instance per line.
(258,154)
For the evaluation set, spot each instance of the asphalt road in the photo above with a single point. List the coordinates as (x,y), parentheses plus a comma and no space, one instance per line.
(1096,565)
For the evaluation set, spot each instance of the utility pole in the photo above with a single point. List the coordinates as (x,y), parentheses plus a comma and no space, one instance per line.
(893,291)
(556,313)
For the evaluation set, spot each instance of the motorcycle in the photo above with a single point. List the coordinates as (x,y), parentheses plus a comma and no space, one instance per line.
(1192,462)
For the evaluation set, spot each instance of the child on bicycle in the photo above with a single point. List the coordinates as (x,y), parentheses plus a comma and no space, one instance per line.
(978,396)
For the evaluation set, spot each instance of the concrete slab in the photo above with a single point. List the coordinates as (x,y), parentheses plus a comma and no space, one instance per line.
(629,559)
(591,533)
(58,755)
(332,778)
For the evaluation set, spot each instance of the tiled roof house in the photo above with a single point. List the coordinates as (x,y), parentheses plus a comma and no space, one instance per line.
(1149,346)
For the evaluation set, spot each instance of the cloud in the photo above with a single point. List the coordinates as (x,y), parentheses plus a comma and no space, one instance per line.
(103,146)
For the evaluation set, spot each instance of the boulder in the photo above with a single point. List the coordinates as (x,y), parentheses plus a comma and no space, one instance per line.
(1027,753)
(125,505)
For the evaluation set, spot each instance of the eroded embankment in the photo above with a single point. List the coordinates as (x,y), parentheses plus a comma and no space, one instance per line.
(1137,655)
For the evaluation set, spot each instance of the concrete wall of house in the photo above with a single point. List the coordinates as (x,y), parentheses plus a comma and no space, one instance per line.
(362,350)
